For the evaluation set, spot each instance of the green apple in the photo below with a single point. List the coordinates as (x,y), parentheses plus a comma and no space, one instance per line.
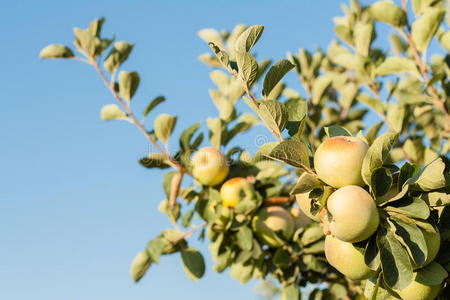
(305,205)
(419,291)
(209,166)
(234,190)
(354,214)
(338,161)
(347,259)
(273,225)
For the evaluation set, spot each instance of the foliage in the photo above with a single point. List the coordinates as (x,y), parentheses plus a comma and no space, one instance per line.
(406,169)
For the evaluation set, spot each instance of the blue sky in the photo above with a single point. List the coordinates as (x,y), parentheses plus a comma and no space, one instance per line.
(75,206)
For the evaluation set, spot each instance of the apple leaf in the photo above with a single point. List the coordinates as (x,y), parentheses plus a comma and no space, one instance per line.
(387,12)
(431,275)
(248,38)
(412,207)
(424,28)
(128,84)
(117,56)
(112,112)
(193,263)
(56,51)
(163,126)
(155,102)
(140,265)
(431,177)
(275,74)
(292,152)
(334,130)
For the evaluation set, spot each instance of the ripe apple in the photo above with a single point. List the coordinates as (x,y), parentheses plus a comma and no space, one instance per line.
(234,190)
(209,166)
(347,259)
(338,161)
(354,214)
(300,218)
(305,205)
(273,225)
(419,291)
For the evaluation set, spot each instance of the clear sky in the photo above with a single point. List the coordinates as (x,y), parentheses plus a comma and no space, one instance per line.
(75,206)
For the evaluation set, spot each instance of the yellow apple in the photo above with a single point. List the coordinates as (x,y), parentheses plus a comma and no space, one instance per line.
(305,205)
(347,259)
(234,190)
(273,225)
(419,291)
(209,166)
(338,161)
(354,214)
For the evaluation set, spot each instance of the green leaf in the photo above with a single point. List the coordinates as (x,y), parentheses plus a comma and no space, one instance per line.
(313,232)
(377,154)
(424,28)
(275,74)
(406,171)
(211,35)
(87,41)
(187,218)
(281,258)
(292,152)
(163,126)
(436,198)
(273,113)
(128,84)
(381,181)
(445,40)
(374,289)
(431,177)
(155,160)
(221,55)
(395,116)
(372,254)
(56,51)
(412,207)
(343,33)
(193,263)
(245,238)
(431,275)
(155,248)
(372,103)
(413,239)
(290,292)
(363,37)
(112,112)
(387,12)
(348,93)
(397,64)
(140,265)
(306,182)
(319,87)
(118,55)
(248,38)
(241,271)
(372,133)
(247,67)
(395,263)
(186,136)
(216,129)
(334,130)
(155,102)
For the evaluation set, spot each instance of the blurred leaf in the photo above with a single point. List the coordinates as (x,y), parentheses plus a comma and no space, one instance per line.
(319,87)
(387,12)
(56,51)
(187,218)
(163,126)
(372,103)
(128,84)
(211,35)
(140,265)
(275,74)
(290,292)
(155,248)
(372,133)
(363,37)
(155,102)
(397,64)
(306,182)
(430,177)
(186,136)
(424,28)
(216,128)
(155,160)
(395,115)
(245,238)
(193,263)
(112,112)
(118,54)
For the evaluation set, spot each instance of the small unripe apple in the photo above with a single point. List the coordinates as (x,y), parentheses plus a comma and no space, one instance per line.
(338,161)
(300,218)
(419,291)
(273,225)
(354,214)
(209,166)
(234,190)
(305,205)
(347,259)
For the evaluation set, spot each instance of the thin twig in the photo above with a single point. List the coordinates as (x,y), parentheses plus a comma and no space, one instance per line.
(277,200)
(110,85)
